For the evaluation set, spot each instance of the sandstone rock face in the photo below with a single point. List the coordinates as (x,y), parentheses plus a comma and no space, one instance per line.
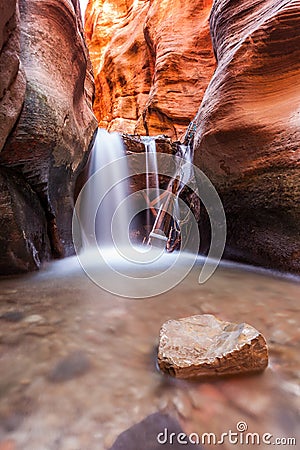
(248,132)
(12,78)
(24,242)
(151,65)
(51,129)
(203,346)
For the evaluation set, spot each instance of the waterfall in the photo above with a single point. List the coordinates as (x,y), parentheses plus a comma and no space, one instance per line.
(185,168)
(105,193)
(105,208)
(152,182)
(164,231)
(183,174)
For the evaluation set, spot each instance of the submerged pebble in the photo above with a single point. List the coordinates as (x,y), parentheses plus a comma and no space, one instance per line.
(12,316)
(72,366)
(34,318)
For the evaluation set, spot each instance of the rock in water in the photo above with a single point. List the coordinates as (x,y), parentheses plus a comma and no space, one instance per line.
(155,432)
(73,365)
(202,345)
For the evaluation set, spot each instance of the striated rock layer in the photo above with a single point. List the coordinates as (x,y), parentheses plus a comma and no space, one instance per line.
(12,77)
(203,346)
(152,61)
(248,132)
(47,129)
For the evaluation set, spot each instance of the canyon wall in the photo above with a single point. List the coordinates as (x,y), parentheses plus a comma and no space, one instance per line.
(248,131)
(46,128)
(152,65)
(152,62)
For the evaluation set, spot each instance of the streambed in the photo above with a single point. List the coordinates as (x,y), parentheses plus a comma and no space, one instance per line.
(59,312)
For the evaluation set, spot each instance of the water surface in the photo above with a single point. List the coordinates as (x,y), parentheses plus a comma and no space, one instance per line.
(60,312)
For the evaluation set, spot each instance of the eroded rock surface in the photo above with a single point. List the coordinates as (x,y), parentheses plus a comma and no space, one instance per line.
(248,135)
(152,64)
(47,133)
(201,346)
(12,77)
(24,241)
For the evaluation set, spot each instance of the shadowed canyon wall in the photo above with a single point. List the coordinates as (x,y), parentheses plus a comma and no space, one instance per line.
(248,131)
(152,62)
(47,124)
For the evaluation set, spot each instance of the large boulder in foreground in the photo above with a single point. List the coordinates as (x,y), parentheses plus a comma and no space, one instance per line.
(248,133)
(46,141)
(152,62)
(203,346)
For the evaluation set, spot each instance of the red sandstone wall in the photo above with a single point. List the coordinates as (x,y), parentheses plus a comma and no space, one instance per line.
(152,63)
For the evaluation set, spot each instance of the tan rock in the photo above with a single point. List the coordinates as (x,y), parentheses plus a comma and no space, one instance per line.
(248,132)
(203,346)
(151,65)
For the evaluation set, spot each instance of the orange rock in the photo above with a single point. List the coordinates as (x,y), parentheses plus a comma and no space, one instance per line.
(7,445)
(248,136)
(151,65)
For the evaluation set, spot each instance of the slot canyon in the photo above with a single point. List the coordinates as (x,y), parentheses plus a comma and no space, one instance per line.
(149,224)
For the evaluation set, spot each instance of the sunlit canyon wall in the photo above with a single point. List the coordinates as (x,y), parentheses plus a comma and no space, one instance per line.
(46,126)
(152,62)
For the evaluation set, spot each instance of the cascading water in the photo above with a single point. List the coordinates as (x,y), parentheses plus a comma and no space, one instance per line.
(104,196)
(105,208)
(152,182)
(151,166)
(105,213)
(186,166)
(166,228)
(184,173)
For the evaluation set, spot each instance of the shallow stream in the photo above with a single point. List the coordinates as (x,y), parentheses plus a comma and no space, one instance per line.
(48,316)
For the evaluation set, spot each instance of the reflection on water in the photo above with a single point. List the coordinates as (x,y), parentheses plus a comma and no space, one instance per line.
(113,382)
